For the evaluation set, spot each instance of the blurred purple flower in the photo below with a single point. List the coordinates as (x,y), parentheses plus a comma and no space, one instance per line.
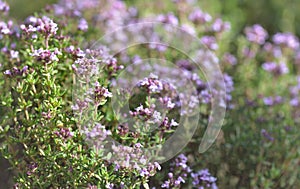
(256,34)
(83,25)
(276,69)
(230,59)
(267,135)
(4,28)
(4,7)
(286,39)
(169,18)
(203,179)
(199,17)
(294,102)
(220,26)
(14,54)
(64,133)
(210,42)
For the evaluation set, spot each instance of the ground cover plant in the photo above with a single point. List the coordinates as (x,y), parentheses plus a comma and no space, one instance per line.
(92,97)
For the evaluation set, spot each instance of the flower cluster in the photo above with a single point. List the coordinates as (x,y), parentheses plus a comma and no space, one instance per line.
(256,34)
(203,179)
(270,101)
(199,17)
(46,56)
(179,171)
(96,134)
(16,71)
(64,133)
(43,25)
(134,159)
(43,72)
(286,40)
(276,69)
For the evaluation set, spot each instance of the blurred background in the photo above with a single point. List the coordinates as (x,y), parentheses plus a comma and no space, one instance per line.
(274,15)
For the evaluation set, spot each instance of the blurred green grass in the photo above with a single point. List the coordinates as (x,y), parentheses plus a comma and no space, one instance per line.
(20,9)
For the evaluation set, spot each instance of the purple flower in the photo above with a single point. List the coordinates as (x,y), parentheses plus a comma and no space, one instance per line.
(44,25)
(210,42)
(178,172)
(31,168)
(267,135)
(98,131)
(286,39)
(152,84)
(83,25)
(4,28)
(101,93)
(230,59)
(169,18)
(203,179)
(256,34)
(144,172)
(276,69)
(46,55)
(199,17)
(64,133)
(109,186)
(14,54)
(16,71)
(268,101)
(179,180)
(4,7)
(220,26)
(294,102)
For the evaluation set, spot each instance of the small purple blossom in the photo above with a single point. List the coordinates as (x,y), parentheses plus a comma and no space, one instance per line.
(44,25)
(179,171)
(46,55)
(220,26)
(276,69)
(14,54)
(16,71)
(210,42)
(47,25)
(203,179)
(152,84)
(267,135)
(5,28)
(83,25)
(4,7)
(97,134)
(169,18)
(294,102)
(32,168)
(199,17)
(286,39)
(101,93)
(230,59)
(64,133)
(256,34)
